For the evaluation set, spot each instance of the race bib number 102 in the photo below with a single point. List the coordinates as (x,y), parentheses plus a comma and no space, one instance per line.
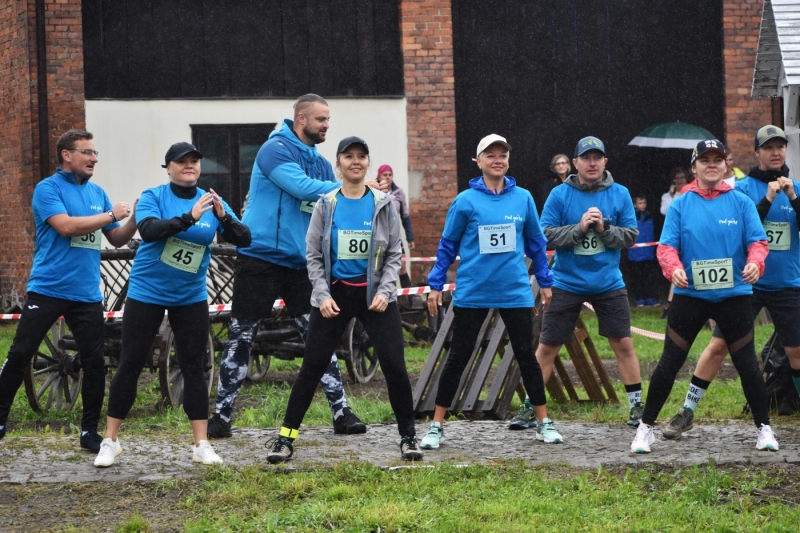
(712,274)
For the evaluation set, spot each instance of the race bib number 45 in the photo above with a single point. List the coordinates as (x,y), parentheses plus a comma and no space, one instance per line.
(497,239)
(183,255)
(90,240)
(778,235)
(590,245)
(712,274)
(354,244)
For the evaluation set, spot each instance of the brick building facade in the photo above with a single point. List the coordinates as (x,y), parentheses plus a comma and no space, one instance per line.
(427,44)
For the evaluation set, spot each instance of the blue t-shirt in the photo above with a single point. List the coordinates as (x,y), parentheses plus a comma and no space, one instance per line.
(172,271)
(782,266)
(715,234)
(351,234)
(492,229)
(67,267)
(594,268)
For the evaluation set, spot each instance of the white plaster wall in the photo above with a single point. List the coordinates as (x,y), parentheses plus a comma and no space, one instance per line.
(132,136)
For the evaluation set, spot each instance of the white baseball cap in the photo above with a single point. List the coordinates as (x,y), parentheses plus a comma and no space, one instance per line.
(490,140)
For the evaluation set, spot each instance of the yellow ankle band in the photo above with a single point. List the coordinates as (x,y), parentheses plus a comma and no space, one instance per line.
(289,433)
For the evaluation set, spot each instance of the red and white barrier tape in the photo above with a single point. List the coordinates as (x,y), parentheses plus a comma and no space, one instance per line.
(278,303)
(549,252)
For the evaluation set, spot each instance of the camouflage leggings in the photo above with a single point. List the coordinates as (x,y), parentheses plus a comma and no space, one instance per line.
(233,368)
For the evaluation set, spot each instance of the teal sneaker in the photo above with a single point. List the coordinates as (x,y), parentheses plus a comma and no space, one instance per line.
(524,419)
(432,438)
(546,432)
(635,417)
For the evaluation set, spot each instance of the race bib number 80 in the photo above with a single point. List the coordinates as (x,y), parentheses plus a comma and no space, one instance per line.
(90,240)
(497,239)
(712,274)
(183,255)
(354,244)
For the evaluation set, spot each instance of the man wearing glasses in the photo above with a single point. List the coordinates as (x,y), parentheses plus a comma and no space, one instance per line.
(69,213)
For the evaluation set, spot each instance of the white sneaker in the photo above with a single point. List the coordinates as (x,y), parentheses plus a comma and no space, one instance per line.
(643,439)
(205,454)
(766,439)
(109,450)
(432,438)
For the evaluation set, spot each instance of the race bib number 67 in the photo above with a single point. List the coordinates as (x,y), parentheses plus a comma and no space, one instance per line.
(712,274)
(498,238)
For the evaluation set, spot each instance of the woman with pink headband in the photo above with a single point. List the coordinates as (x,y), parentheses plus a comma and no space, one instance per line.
(386,175)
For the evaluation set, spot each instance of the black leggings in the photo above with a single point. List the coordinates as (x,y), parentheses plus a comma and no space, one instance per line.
(466,325)
(86,322)
(140,324)
(325,334)
(687,316)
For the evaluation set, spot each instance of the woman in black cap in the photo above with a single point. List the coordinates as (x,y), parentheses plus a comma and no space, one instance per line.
(353,254)
(177,222)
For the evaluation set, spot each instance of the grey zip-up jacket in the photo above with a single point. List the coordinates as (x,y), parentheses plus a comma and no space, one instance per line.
(570,235)
(384,251)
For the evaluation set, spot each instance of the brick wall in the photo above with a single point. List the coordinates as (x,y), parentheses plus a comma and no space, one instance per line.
(427,42)
(20,168)
(743,114)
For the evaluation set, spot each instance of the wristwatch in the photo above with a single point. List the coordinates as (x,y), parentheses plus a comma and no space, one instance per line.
(113,217)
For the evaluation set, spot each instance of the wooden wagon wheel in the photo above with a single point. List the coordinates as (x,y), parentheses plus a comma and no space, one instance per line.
(257,366)
(361,362)
(53,378)
(169,371)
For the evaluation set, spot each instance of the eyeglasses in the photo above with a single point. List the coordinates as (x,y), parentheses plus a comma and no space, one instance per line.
(87,152)
(561,163)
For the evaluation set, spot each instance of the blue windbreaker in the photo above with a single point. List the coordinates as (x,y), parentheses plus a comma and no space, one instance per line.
(288,177)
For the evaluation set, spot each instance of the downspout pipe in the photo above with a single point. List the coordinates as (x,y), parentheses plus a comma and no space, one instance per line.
(41,90)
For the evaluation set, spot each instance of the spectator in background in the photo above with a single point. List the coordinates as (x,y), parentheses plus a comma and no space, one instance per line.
(400,203)
(732,173)
(561,167)
(678,179)
(642,260)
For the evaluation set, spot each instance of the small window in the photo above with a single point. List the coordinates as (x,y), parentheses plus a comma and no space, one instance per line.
(229,152)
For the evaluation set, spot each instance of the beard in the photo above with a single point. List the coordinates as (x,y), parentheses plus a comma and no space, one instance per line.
(314,136)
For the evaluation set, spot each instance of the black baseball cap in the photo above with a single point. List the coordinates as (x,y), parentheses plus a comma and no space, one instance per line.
(767,133)
(178,150)
(709,145)
(347,142)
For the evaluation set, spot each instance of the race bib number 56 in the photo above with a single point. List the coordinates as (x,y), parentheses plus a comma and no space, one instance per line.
(712,274)
(497,239)
(183,255)
(90,240)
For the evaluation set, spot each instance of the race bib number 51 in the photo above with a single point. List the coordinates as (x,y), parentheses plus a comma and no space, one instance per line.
(497,239)
(712,274)
(183,255)
(90,240)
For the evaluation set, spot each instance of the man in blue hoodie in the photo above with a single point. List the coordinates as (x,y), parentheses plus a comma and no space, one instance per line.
(288,177)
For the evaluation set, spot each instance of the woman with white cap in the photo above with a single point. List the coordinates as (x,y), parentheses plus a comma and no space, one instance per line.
(353,256)
(177,222)
(492,225)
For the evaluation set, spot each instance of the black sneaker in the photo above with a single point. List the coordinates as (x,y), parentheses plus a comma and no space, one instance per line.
(524,419)
(683,421)
(348,424)
(218,428)
(91,441)
(410,449)
(281,450)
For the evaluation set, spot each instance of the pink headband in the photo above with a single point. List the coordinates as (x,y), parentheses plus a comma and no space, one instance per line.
(384,168)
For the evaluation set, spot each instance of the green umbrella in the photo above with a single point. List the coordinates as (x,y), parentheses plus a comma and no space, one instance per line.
(672,135)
